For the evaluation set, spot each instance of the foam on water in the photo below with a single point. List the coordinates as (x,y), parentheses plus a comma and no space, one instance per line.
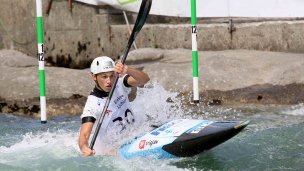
(296,110)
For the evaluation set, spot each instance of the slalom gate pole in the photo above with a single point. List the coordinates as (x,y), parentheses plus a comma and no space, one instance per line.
(129,28)
(194,52)
(41,61)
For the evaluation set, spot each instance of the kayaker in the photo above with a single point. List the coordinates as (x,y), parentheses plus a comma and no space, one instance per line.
(119,112)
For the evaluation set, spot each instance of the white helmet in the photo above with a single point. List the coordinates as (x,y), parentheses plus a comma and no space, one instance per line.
(102,64)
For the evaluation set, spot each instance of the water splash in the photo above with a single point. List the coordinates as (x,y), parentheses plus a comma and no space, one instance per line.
(296,110)
(155,105)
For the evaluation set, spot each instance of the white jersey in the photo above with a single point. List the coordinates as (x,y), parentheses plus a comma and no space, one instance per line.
(118,116)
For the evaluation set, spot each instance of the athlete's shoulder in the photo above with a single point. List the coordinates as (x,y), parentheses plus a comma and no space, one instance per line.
(123,83)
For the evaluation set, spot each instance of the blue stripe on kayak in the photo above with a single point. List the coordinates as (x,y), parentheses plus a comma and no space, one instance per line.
(156,153)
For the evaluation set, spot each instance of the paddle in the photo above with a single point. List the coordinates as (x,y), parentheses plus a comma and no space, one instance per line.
(141,18)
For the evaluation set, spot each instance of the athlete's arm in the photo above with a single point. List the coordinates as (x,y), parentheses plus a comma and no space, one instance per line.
(137,77)
(84,136)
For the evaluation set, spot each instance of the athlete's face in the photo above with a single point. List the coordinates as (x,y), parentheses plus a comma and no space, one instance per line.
(105,80)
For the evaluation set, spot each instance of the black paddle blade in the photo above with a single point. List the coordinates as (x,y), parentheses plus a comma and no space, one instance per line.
(142,16)
(140,21)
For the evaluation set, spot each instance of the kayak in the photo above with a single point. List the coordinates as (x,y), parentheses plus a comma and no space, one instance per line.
(181,138)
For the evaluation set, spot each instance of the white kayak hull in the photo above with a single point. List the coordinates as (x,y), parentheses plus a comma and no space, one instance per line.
(181,138)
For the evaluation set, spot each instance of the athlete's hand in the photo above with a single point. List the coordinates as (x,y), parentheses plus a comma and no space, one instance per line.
(120,69)
(86,151)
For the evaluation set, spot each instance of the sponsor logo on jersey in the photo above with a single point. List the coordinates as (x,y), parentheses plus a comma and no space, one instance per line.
(108,112)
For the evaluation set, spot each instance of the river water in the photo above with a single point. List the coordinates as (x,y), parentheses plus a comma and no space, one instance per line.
(274,140)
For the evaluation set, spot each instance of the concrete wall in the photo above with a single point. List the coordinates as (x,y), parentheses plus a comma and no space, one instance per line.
(74,38)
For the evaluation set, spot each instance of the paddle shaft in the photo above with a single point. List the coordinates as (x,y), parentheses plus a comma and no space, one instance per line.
(141,18)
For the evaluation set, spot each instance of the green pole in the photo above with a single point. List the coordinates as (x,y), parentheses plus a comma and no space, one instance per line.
(194,52)
(41,61)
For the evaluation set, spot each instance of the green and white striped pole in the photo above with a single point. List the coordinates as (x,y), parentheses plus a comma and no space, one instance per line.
(194,52)
(41,61)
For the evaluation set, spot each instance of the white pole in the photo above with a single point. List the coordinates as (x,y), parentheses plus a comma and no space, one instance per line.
(130,31)
(194,52)
(41,61)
